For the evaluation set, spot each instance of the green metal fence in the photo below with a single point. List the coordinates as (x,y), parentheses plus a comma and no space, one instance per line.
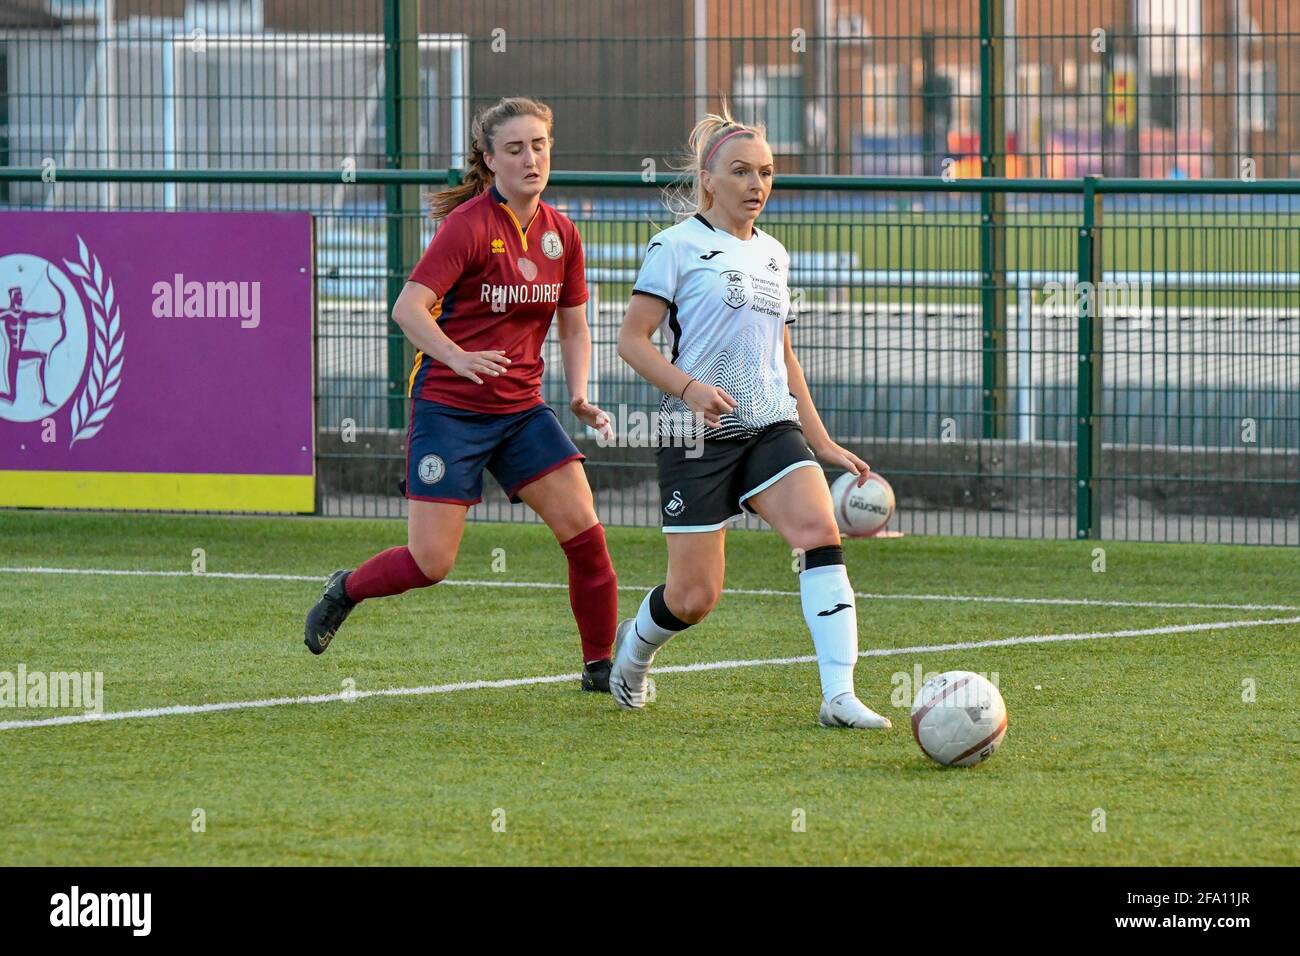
(1144,385)
(1034,88)
(1065,355)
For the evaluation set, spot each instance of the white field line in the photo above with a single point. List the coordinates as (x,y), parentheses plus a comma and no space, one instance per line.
(90,718)
(641,588)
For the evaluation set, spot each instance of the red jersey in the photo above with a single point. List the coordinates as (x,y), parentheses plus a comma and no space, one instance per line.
(498,285)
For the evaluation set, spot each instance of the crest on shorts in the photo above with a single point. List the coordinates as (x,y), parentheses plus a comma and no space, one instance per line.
(551,245)
(736,292)
(431,469)
(675,505)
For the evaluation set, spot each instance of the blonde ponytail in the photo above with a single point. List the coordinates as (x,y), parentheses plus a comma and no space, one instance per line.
(686,197)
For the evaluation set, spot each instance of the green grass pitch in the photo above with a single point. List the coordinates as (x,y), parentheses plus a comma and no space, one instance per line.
(1151,730)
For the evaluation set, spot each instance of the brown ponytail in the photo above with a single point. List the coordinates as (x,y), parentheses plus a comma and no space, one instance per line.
(478,178)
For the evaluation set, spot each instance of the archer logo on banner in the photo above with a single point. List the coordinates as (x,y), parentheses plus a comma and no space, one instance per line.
(48,338)
(216,410)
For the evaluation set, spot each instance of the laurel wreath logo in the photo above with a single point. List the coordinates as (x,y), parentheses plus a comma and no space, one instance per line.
(96,399)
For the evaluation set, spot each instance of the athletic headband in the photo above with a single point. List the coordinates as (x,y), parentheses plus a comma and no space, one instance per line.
(708,159)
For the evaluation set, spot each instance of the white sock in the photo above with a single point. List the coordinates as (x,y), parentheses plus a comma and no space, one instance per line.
(835,636)
(651,634)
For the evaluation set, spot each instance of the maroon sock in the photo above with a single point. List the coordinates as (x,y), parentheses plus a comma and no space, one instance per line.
(389,572)
(593,592)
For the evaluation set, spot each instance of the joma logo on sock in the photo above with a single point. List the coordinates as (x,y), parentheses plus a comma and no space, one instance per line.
(103,909)
(835,610)
(179,299)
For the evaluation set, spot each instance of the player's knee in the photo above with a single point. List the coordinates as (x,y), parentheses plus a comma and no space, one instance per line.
(814,534)
(573,522)
(434,562)
(694,603)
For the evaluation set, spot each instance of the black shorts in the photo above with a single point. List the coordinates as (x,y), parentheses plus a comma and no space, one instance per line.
(706,492)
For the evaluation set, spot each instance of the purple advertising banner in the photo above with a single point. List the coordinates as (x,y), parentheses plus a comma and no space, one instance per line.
(171,343)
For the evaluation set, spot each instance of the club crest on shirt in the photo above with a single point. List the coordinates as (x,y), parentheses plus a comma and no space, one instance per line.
(551,245)
(431,469)
(736,292)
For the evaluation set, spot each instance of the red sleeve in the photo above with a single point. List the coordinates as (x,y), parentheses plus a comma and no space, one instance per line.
(445,261)
(574,290)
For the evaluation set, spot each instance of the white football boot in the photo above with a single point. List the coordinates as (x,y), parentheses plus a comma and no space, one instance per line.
(847,711)
(629,681)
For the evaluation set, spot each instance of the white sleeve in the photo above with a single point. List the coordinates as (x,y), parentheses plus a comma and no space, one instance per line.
(658,275)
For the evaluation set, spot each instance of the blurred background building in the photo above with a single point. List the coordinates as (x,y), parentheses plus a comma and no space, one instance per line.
(1150,88)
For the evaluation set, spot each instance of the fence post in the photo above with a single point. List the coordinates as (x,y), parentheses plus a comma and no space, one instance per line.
(1088,410)
(993,236)
(401,202)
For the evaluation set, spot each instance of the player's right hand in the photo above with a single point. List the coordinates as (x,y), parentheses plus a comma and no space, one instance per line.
(473,364)
(710,402)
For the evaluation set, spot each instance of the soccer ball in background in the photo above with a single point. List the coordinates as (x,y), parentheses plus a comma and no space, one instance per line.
(959,718)
(862,512)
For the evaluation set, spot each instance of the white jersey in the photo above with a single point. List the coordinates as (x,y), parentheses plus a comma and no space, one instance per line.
(728,305)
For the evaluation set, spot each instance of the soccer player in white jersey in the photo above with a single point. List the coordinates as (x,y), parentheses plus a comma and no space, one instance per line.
(734,388)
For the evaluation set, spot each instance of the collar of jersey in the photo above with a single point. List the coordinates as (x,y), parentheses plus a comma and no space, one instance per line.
(522,230)
(722,232)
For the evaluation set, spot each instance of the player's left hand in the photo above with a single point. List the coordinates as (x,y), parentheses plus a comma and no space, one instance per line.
(833,454)
(592,417)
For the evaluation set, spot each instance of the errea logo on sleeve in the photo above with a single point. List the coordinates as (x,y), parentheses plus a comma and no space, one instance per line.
(103,909)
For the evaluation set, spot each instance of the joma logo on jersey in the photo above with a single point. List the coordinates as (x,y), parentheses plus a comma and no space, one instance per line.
(498,245)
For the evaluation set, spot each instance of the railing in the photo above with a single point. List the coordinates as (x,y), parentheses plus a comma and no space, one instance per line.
(1130,370)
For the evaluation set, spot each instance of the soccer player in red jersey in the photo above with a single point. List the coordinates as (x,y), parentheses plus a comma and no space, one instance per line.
(478,307)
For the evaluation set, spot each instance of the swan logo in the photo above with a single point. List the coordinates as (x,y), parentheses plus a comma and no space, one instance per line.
(675,505)
(47,341)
